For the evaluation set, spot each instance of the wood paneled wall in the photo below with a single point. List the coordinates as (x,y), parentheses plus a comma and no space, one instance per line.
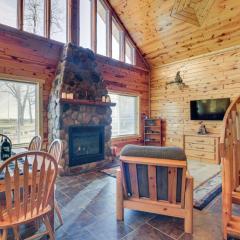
(26,56)
(214,75)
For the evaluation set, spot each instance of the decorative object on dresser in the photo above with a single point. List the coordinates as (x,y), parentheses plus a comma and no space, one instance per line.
(202,147)
(153,131)
(202,129)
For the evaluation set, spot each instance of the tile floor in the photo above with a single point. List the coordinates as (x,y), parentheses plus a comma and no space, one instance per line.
(88,207)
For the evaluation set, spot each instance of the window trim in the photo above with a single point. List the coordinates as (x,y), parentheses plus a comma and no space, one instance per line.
(138,132)
(39,106)
(117,25)
(73,30)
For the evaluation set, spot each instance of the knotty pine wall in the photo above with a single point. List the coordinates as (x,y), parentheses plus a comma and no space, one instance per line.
(33,58)
(211,76)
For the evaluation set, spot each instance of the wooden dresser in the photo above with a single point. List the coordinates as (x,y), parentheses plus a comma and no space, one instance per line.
(202,147)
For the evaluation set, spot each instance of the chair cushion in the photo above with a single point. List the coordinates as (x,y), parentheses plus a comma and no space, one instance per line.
(174,153)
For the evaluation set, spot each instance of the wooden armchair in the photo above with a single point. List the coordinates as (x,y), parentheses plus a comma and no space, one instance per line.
(230,157)
(155,185)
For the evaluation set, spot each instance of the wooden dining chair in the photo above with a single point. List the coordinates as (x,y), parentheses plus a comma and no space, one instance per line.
(35,144)
(3,136)
(55,150)
(27,185)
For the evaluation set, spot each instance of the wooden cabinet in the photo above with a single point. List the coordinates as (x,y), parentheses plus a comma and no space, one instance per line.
(153,131)
(202,147)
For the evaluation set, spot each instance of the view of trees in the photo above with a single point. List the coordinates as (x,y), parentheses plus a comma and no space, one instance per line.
(34,18)
(24,95)
(18,115)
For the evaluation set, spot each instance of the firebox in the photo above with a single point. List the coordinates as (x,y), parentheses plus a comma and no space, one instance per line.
(86,144)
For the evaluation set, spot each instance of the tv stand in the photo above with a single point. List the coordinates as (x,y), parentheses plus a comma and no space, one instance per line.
(203,147)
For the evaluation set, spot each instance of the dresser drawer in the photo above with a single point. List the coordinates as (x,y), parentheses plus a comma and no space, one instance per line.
(201,140)
(200,154)
(200,147)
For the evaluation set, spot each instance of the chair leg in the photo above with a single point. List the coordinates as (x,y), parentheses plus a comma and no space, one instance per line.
(16,233)
(119,198)
(49,227)
(58,211)
(4,234)
(188,221)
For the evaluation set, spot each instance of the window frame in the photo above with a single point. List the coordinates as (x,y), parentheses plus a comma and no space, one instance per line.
(105,7)
(128,41)
(73,25)
(138,127)
(119,28)
(39,105)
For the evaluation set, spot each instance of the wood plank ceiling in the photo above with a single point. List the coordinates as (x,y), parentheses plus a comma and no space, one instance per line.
(163,39)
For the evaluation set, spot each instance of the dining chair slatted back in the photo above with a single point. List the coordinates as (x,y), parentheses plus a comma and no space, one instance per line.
(35,144)
(3,136)
(56,149)
(28,179)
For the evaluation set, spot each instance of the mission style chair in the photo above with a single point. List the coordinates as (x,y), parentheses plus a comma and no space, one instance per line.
(156,180)
(230,157)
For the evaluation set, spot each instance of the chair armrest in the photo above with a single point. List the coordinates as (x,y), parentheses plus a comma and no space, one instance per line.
(188,176)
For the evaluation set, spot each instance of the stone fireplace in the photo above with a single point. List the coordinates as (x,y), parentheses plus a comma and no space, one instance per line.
(84,122)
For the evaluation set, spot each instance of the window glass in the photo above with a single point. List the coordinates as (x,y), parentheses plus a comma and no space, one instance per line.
(34,16)
(101,29)
(85,23)
(18,118)
(58,28)
(125,115)
(115,41)
(8,12)
(128,52)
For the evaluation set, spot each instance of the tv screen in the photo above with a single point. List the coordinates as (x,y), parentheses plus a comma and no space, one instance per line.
(209,109)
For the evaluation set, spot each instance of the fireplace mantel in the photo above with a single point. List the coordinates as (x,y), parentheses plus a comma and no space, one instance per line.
(87,102)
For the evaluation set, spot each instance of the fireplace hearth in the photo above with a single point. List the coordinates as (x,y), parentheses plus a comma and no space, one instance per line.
(86,144)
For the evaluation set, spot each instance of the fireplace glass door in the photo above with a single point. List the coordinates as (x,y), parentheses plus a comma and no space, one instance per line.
(86,144)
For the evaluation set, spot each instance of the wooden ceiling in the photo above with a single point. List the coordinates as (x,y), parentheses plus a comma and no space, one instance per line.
(163,39)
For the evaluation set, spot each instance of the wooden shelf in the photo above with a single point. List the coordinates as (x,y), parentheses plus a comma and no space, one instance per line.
(87,102)
(153,138)
(152,133)
(156,126)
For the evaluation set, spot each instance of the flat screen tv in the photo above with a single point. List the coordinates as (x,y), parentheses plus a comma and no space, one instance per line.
(209,109)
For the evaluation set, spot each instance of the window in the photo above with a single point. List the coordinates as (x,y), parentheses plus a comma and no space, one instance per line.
(115,41)
(8,12)
(125,115)
(34,16)
(58,27)
(101,29)
(18,115)
(85,23)
(37,19)
(128,52)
